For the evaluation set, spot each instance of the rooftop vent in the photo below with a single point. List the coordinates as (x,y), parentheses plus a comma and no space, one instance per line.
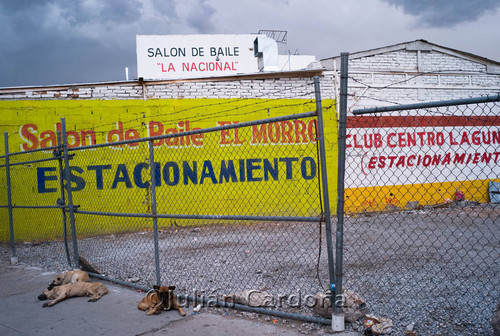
(266,50)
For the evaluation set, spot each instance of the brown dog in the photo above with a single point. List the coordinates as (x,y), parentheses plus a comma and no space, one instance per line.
(70,277)
(59,293)
(162,298)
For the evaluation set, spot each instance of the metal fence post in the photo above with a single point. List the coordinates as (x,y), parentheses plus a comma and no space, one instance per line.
(326,203)
(339,238)
(67,172)
(62,200)
(13,259)
(153,210)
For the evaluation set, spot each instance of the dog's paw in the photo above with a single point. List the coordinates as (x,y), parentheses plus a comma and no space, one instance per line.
(46,304)
(92,300)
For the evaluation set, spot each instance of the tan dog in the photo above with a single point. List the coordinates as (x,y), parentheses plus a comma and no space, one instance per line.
(59,293)
(162,298)
(70,277)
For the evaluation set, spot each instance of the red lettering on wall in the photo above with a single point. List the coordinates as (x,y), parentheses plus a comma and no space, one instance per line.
(48,138)
(28,135)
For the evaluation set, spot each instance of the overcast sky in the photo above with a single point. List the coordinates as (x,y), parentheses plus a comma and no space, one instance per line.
(80,41)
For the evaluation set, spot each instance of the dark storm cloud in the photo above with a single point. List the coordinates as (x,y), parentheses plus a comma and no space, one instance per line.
(82,62)
(73,41)
(20,16)
(59,41)
(77,11)
(20,5)
(165,7)
(200,16)
(113,11)
(444,13)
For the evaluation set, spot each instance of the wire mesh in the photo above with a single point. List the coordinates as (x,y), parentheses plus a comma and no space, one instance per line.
(4,225)
(36,194)
(232,209)
(421,232)
(233,216)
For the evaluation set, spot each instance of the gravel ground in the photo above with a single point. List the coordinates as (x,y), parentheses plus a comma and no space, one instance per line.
(434,270)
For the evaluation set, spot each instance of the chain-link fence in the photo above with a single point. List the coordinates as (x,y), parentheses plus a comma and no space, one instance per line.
(214,211)
(227,219)
(422,231)
(241,207)
(21,204)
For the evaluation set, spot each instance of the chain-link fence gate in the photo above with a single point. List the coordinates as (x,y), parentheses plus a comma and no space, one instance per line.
(20,203)
(422,231)
(242,207)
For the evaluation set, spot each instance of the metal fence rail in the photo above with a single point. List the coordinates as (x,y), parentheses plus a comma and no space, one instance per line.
(183,209)
(24,207)
(234,241)
(422,235)
(417,233)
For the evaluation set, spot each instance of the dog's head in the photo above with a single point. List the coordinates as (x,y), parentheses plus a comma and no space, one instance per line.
(165,294)
(58,280)
(45,293)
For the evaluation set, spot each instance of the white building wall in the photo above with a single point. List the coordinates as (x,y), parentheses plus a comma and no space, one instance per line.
(396,60)
(414,74)
(437,61)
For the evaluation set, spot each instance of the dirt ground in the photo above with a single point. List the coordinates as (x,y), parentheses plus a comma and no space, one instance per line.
(419,268)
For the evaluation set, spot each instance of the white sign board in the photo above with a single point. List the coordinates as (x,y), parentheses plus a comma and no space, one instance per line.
(194,56)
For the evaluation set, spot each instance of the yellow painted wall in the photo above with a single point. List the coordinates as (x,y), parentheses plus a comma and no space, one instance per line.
(374,199)
(275,166)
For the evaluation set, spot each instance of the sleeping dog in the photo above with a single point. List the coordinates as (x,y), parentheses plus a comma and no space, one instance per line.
(70,277)
(158,299)
(59,293)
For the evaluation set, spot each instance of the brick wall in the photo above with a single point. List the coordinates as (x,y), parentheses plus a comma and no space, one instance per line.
(396,60)
(436,61)
(410,76)
(277,86)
